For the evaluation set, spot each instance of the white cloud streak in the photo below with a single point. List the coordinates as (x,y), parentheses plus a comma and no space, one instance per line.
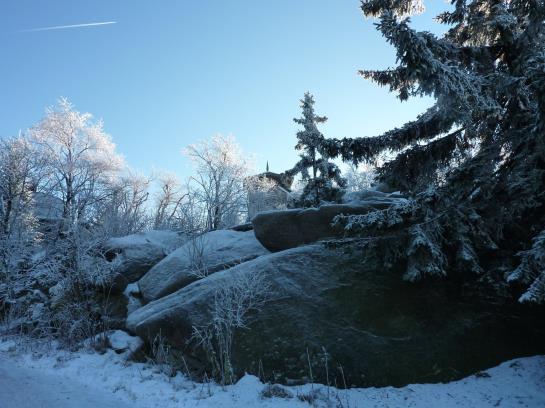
(68,26)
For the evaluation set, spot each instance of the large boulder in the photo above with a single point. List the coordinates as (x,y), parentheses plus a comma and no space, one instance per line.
(326,306)
(284,229)
(134,255)
(199,257)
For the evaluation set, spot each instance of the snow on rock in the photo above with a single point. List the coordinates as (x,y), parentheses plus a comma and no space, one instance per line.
(117,340)
(191,305)
(121,341)
(209,253)
(134,297)
(63,379)
(135,254)
(362,196)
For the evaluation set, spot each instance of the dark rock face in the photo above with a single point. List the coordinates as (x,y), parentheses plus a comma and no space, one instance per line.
(243,227)
(115,309)
(379,329)
(279,230)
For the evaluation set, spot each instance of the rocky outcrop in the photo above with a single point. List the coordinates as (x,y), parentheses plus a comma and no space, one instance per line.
(279,230)
(329,307)
(202,256)
(134,255)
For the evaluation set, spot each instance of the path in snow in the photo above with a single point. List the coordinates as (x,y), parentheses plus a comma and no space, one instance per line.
(60,379)
(29,388)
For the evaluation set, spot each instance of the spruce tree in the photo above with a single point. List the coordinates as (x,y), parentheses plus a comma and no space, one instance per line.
(322,177)
(474,163)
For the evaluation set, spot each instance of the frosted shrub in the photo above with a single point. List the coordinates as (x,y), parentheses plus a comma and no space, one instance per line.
(196,252)
(230,311)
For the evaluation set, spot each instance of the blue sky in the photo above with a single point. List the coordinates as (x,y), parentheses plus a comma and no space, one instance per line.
(172,72)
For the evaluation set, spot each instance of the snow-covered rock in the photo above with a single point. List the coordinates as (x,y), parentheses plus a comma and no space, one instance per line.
(284,229)
(121,341)
(205,255)
(133,296)
(380,329)
(117,340)
(135,254)
(362,196)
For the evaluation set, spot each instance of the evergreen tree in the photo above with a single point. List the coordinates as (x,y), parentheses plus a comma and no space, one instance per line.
(474,163)
(324,180)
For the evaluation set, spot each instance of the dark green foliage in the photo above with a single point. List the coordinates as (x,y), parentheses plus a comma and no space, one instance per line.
(474,163)
(323,178)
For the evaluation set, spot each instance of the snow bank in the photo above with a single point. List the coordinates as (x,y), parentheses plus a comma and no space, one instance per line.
(516,383)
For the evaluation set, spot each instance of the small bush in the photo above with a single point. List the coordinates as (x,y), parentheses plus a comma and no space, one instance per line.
(230,311)
(275,391)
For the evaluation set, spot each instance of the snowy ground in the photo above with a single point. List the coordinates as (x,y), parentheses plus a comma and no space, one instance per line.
(62,379)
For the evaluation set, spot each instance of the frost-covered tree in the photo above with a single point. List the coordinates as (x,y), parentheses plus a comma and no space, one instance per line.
(79,165)
(262,194)
(19,174)
(474,162)
(124,209)
(322,177)
(168,201)
(57,282)
(79,156)
(16,181)
(357,178)
(218,186)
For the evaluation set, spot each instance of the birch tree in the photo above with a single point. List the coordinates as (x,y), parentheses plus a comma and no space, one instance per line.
(219,181)
(79,156)
(168,201)
(18,175)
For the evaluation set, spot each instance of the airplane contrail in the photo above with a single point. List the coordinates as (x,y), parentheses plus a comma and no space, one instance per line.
(68,26)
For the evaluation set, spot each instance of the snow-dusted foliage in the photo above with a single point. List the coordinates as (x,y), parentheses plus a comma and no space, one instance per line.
(196,251)
(475,161)
(168,201)
(359,177)
(322,177)
(18,174)
(59,203)
(124,211)
(424,255)
(19,234)
(230,312)
(374,220)
(218,186)
(263,194)
(531,271)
